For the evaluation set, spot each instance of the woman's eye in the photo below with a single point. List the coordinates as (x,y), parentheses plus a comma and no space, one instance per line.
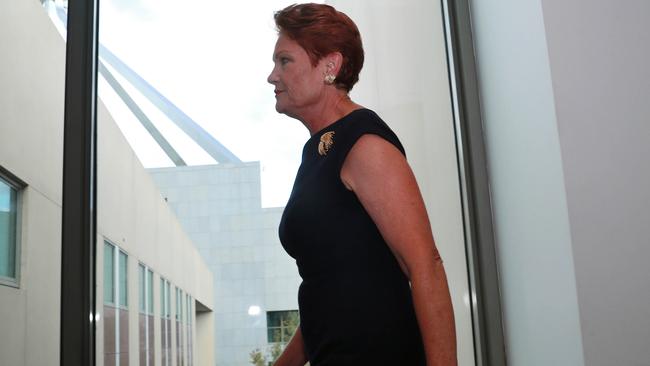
(284,61)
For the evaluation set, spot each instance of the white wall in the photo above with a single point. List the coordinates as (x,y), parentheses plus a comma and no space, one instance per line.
(564,88)
(31,145)
(405,80)
(531,223)
(599,56)
(132,214)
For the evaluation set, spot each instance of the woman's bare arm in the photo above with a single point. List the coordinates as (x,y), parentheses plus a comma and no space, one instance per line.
(294,354)
(383,181)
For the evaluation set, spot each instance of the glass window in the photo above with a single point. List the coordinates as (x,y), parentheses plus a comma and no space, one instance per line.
(179,293)
(123,258)
(8,242)
(281,325)
(224,166)
(141,290)
(168,313)
(109,267)
(149,292)
(163,303)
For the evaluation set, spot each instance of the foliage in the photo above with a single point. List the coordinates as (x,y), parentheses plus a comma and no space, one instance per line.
(257,358)
(270,354)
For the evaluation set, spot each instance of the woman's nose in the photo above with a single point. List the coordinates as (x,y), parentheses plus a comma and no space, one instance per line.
(272,78)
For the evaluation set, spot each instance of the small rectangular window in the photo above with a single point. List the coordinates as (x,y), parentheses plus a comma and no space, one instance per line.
(168,314)
(178,304)
(163,304)
(9,246)
(149,292)
(109,267)
(141,290)
(123,300)
(281,325)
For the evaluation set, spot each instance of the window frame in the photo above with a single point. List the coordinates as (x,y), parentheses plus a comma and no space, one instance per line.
(480,242)
(79,315)
(283,314)
(19,186)
(142,288)
(113,291)
(78,256)
(118,299)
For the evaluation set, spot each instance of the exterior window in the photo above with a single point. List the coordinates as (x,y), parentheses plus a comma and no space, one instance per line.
(165,322)
(142,305)
(179,328)
(145,316)
(281,325)
(109,267)
(123,299)
(149,292)
(188,311)
(116,314)
(8,232)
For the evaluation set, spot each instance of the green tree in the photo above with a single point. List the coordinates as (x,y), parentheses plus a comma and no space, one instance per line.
(288,325)
(257,357)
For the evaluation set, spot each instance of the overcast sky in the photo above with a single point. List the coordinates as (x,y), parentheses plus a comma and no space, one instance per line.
(211,59)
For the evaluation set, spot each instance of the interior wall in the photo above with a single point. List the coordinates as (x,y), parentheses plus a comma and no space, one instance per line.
(405,80)
(599,55)
(527,185)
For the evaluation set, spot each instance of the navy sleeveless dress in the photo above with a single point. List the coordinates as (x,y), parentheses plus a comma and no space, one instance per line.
(354,300)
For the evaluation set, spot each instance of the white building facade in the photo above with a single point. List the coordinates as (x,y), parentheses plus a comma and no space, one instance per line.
(254,279)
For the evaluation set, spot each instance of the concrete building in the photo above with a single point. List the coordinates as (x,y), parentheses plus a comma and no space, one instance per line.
(254,279)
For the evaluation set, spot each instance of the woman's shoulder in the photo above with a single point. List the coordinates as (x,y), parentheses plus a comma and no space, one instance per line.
(366,121)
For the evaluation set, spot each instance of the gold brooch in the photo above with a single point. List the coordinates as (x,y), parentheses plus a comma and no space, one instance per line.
(326,142)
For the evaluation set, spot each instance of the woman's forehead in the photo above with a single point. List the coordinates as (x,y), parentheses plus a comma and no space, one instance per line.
(286,44)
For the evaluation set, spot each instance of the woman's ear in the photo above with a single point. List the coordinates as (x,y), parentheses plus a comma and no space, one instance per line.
(333,63)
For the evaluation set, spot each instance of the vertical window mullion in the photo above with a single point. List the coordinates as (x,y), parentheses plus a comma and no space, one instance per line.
(78,225)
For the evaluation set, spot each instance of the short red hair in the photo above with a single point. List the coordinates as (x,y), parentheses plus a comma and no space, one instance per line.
(320,30)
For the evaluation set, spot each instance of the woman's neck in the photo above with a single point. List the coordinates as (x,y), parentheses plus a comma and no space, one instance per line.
(331,110)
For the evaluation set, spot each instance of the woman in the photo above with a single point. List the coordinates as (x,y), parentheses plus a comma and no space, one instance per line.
(374,289)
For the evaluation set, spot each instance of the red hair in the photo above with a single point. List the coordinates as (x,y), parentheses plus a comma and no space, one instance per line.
(320,30)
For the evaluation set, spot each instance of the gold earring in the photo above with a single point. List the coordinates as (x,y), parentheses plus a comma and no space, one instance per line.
(329,79)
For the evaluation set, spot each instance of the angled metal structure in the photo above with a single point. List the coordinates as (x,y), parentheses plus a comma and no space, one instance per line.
(141,116)
(207,142)
(200,136)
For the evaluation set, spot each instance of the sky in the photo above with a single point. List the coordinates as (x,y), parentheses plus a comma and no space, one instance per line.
(211,59)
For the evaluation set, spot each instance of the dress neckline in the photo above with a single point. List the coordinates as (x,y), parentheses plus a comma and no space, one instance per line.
(334,124)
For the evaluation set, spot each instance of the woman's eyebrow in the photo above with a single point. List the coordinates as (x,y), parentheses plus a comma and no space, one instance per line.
(277,54)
